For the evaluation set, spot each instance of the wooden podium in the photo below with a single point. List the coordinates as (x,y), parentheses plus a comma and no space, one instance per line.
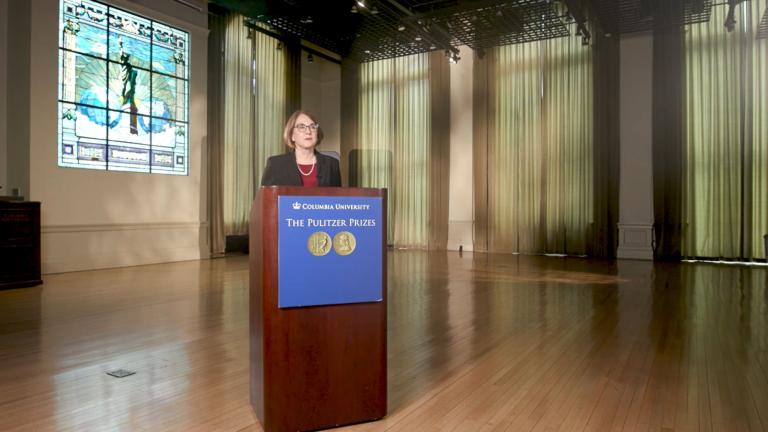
(313,367)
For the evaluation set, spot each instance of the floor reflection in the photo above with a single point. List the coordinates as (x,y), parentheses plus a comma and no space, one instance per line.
(474,341)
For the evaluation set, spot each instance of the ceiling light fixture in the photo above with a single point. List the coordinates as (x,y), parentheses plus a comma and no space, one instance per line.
(361,3)
(453,55)
(575,11)
(730,21)
(581,30)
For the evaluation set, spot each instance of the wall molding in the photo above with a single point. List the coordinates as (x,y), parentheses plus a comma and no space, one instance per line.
(67,248)
(635,241)
(167,16)
(54,229)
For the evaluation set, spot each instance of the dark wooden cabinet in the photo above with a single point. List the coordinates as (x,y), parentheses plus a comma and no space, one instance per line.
(19,244)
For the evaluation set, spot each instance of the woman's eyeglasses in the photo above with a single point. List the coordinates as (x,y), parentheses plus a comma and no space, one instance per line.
(303,128)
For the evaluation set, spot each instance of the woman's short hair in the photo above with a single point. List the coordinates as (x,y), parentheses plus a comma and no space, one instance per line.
(291,123)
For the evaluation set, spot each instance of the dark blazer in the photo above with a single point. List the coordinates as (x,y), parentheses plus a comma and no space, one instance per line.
(281,170)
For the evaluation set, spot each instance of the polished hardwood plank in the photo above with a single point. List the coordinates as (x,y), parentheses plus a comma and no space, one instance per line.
(476,342)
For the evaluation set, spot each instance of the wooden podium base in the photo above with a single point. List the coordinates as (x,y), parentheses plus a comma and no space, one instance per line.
(311,367)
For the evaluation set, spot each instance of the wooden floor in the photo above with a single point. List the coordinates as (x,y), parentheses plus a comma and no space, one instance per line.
(476,343)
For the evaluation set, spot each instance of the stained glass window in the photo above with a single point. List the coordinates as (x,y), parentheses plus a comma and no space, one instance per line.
(123,91)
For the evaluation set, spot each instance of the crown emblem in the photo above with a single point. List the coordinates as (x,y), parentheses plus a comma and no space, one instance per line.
(296,205)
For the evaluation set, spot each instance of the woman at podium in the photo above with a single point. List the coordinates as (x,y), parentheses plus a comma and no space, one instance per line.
(303,165)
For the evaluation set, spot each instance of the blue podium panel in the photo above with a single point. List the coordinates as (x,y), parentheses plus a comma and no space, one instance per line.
(329,250)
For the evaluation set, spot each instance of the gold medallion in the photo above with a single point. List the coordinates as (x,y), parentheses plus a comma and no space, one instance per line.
(344,243)
(319,243)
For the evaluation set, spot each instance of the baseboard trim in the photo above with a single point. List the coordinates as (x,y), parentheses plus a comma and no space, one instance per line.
(53,229)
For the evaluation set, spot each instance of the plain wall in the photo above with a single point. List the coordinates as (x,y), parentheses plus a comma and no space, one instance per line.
(95,219)
(17,96)
(636,178)
(461,186)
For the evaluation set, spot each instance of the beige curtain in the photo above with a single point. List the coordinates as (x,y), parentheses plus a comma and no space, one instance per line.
(440,149)
(538,186)
(568,137)
(516,151)
(270,90)
(724,182)
(410,195)
(758,132)
(255,75)
(393,144)
(238,170)
(483,127)
(373,161)
(217,27)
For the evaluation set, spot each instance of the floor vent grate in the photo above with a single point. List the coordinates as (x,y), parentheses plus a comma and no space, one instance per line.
(120,373)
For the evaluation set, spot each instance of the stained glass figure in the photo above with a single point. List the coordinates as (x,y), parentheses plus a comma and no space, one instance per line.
(123,91)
